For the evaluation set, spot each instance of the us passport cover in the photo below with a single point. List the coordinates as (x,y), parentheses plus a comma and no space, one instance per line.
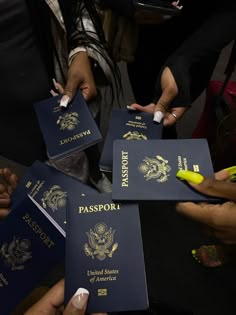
(30,247)
(128,125)
(66,130)
(146,170)
(51,189)
(104,254)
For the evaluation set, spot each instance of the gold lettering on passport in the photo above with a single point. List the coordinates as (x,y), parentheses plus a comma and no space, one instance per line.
(100,242)
(155,168)
(54,198)
(75,137)
(38,230)
(124,169)
(16,253)
(103,275)
(134,135)
(136,123)
(182,163)
(3,281)
(68,121)
(36,188)
(99,208)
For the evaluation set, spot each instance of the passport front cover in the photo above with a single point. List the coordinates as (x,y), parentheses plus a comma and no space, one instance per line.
(128,125)
(51,189)
(30,247)
(146,170)
(104,254)
(66,129)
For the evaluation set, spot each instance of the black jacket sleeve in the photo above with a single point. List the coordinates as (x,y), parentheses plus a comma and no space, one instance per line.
(193,63)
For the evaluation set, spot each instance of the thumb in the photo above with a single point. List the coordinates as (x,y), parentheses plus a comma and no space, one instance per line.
(169,92)
(78,303)
(208,186)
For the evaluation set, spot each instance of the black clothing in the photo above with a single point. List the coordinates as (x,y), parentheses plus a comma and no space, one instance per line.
(25,80)
(192,64)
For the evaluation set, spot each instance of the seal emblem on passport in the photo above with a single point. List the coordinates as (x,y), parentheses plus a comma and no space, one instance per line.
(155,168)
(100,242)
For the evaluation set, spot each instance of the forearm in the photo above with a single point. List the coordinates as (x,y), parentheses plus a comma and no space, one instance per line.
(193,63)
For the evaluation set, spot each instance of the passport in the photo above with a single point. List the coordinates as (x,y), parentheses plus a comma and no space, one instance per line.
(156,6)
(66,130)
(104,254)
(50,189)
(30,247)
(146,170)
(128,125)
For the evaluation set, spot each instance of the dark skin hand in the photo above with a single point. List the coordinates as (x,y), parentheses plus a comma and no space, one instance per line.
(79,76)
(8,184)
(169,92)
(220,219)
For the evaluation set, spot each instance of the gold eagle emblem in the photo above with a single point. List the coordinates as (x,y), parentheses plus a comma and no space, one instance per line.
(155,168)
(16,253)
(54,198)
(68,121)
(134,135)
(100,242)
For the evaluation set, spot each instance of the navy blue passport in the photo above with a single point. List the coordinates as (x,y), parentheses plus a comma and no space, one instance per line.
(104,254)
(128,125)
(66,130)
(30,247)
(146,170)
(51,189)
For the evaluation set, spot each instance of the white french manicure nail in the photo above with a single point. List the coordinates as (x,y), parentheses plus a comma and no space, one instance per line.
(64,101)
(158,116)
(80,298)
(130,108)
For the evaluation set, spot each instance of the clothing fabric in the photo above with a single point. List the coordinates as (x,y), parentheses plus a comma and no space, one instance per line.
(192,64)
(24,80)
(21,139)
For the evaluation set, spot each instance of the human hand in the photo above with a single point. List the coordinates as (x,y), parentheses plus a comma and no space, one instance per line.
(8,184)
(220,219)
(79,76)
(161,109)
(52,302)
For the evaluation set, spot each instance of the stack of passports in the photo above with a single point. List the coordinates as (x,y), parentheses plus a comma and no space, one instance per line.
(128,125)
(30,247)
(146,170)
(104,254)
(66,130)
(50,189)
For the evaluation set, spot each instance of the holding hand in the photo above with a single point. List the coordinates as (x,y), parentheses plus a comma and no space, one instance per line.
(79,76)
(161,110)
(52,302)
(219,218)
(8,184)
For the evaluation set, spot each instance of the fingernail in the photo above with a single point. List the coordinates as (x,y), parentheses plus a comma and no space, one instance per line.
(64,101)
(80,299)
(158,116)
(130,108)
(189,176)
(231,170)
(55,83)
